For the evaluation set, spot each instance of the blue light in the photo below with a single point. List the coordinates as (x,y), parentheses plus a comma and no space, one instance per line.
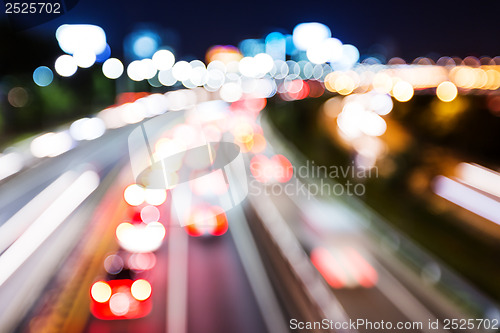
(251,47)
(290,46)
(43,76)
(276,45)
(104,55)
(273,36)
(145,45)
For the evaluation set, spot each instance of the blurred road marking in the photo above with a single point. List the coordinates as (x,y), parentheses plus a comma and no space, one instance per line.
(41,229)
(408,304)
(256,272)
(68,309)
(290,247)
(177,278)
(13,227)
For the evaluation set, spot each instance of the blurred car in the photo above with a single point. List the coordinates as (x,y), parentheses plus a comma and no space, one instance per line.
(140,237)
(126,291)
(206,220)
(344,267)
(121,297)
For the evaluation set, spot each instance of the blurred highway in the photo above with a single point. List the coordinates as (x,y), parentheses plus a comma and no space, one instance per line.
(288,259)
(289,183)
(47,277)
(31,204)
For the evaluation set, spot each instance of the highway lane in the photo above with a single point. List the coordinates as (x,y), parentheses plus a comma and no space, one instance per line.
(20,188)
(220,298)
(338,223)
(399,294)
(387,300)
(199,284)
(337,238)
(34,266)
(25,271)
(219,295)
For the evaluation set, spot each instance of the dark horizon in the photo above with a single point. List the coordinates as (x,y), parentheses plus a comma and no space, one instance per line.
(423,29)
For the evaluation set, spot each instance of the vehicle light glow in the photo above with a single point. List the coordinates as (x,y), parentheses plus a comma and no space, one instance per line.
(119,304)
(100,291)
(134,195)
(141,290)
(207,220)
(140,238)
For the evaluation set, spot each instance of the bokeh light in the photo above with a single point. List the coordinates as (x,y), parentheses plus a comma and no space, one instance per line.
(163,59)
(150,214)
(51,144)
(329,50)
(139,70)
(112,68)
(146,44)
(446,91)
(181,70)
(43,76)
(306,35)
(166,77)
(155,197)
(65,65)
(140,290)
(84,58)
(18,97)
(87,129)
(134,195)
(402,91)
(119,304)
(76,37)
(100,291)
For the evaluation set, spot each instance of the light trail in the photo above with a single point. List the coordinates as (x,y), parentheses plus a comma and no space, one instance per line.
(46,224)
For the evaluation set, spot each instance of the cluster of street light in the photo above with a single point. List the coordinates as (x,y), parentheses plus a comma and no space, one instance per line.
(259,69)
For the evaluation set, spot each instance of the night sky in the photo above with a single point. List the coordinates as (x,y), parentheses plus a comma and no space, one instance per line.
(406,29)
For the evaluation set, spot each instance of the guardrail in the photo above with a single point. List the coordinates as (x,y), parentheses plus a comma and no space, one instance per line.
(303,293)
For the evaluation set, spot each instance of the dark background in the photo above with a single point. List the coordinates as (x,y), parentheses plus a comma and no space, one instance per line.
(406,29)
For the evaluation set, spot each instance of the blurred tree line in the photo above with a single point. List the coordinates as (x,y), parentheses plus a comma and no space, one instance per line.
(33,108)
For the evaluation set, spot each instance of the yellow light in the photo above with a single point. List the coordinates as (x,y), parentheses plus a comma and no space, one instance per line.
(480,78)
(446,91)
(344,85)
(402,91)
(333,106)
(464,77)
(123,230)
(243,132)
(141,290)
(382,83)
(493,79)
(330,81)
(226,54)
(100,291)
